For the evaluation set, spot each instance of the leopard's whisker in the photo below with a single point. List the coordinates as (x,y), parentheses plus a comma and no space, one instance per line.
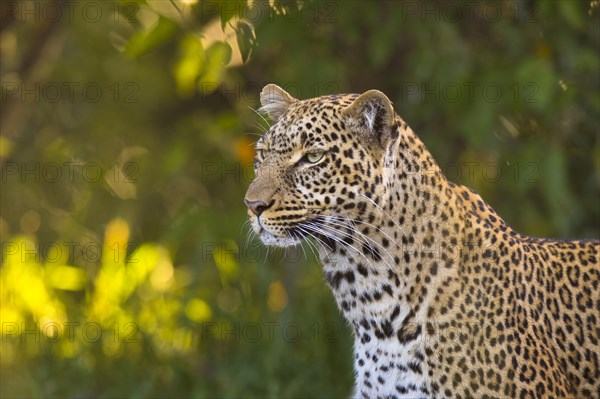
(360,242)
(312,248)
(345,244)
(303,250)
(319,230)
(357,221)
(368,239)
(251,234)
(260,128)
(253,134)
(262,117)
(352,228)
(376,205)
(316,239)
(309,243)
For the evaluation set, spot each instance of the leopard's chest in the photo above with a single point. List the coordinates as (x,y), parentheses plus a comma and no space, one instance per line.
(390,341)
(388,369)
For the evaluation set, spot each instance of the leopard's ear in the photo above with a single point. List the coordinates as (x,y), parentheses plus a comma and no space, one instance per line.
(372,112)
(275,101)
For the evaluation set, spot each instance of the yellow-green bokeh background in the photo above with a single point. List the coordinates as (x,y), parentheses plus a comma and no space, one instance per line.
(126,148)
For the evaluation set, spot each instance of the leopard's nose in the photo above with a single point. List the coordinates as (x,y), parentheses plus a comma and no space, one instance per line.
(257,207)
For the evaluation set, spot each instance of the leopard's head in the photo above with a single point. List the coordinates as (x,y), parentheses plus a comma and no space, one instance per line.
(319,165)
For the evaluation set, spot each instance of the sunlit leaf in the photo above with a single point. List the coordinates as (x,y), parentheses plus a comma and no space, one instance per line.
(142,261)
(111,284)
(198,310)
(120,184)
(218,56)
(225,259)
(161,277)
(189,66)
(278,297)
(6,147)
(66,277)
(23,283)
(116,237)
(146,41)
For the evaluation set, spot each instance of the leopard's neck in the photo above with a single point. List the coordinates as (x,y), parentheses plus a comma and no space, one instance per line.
(402,259)
(395,291)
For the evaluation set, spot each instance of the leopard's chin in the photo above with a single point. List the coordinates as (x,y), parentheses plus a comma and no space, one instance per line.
(271,239)
(282,242)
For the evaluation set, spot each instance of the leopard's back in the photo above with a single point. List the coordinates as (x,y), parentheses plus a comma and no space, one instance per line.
(549,296)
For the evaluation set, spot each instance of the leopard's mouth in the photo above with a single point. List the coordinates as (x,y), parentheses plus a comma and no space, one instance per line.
(283,242)
(272,239)
(309,228)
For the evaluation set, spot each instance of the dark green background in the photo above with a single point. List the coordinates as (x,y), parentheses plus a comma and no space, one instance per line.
(504,94)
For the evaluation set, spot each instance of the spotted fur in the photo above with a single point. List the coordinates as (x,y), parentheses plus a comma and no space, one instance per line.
(444,298)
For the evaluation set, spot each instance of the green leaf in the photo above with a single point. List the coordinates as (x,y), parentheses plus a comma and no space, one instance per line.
(189,66)
(246,39)
(217,56)
(145,41)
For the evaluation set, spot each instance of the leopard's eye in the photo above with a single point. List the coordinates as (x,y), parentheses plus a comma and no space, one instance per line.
(314,157)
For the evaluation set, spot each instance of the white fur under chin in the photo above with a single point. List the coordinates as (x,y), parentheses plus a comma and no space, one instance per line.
(283,242)
(268,238)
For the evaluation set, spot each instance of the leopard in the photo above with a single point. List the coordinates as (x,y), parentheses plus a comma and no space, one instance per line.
(443,298)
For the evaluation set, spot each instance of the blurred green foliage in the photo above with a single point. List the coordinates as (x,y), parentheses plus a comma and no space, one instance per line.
(126,147)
